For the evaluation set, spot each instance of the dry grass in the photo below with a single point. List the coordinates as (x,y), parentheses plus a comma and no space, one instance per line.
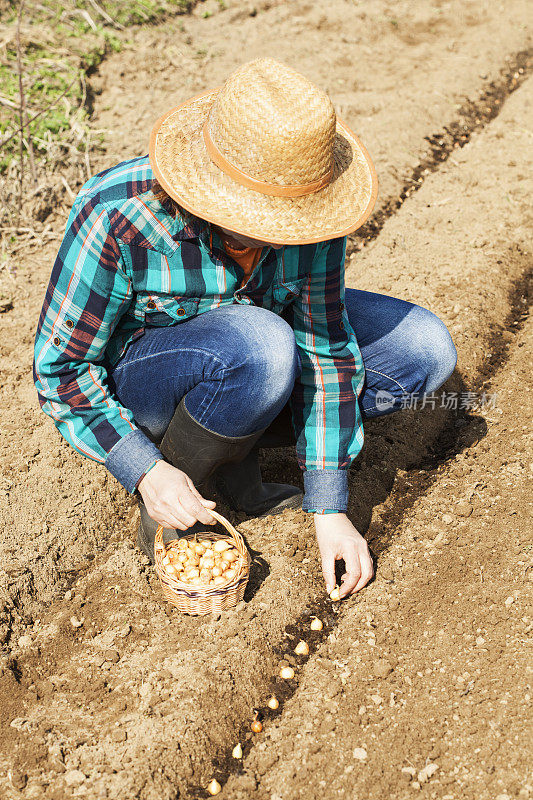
(47,50)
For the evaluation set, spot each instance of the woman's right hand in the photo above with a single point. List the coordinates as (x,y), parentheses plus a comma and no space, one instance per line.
(172,499)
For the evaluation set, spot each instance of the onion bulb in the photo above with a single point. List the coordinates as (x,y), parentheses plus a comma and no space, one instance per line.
(237,751)
(287,673)
(214,787)
(257,726)
(302,649)
(335,594)
(273,703)
(204,563)
(316,624)
(220,545)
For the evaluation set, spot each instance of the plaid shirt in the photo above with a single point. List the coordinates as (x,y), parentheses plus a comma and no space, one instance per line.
(127,263)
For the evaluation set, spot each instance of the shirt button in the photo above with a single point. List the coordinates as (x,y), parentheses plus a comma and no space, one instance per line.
(341,325)
(57,341)
(180,312)
(69,323)
(150,304)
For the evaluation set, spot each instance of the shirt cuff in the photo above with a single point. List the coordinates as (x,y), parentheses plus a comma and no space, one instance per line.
(325,489)
(131,458)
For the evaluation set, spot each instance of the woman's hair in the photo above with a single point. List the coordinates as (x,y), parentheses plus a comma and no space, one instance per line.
(168,202)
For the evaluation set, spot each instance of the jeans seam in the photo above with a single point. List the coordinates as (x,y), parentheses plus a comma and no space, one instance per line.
(371,408)
(377,372)
(169,352)
(218,395)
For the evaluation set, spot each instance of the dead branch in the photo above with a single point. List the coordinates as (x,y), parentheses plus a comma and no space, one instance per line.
(30,148)
(86,16)
(105,15)
(87,159)
(67,187)
(21,109)
(5,101)
(42,111)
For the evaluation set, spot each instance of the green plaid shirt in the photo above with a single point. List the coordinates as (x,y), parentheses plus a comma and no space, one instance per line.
(127,263)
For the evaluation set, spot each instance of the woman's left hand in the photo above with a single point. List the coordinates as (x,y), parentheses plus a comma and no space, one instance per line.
(338,538)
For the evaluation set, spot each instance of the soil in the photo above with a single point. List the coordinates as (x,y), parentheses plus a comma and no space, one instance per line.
(420,684)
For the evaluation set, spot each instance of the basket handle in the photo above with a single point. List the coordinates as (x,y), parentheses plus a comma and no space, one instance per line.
(223,521)
(226,523)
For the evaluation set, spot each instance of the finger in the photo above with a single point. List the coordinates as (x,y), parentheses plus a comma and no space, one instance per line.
(193,488)
(169,521)
(183,515)
(353,572)
(192,506)
(160,516)
(203,516)
(172,520)
(367,572)
(328,571)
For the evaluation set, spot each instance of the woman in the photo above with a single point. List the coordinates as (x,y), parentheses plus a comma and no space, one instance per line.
(197,312)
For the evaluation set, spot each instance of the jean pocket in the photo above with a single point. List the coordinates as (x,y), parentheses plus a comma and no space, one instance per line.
(160,310)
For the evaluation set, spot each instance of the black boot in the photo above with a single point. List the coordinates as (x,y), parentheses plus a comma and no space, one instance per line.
(242,488)
(197,451)
(241,485)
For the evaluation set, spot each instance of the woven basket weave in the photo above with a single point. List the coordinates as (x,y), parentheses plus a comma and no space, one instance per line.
(198,600)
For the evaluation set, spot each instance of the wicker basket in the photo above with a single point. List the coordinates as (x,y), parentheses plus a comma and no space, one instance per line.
(202,599)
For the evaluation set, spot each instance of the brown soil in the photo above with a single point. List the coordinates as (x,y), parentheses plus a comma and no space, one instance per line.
(139,702)
(430,667)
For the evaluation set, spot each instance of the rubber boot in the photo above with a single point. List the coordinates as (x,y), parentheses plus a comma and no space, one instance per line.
(197,451)
(242,488)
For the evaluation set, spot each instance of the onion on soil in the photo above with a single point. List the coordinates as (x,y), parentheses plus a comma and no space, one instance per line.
(287,673)
(214,787)
(302,649)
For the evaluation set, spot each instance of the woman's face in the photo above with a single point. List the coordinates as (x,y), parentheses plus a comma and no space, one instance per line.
(246,241)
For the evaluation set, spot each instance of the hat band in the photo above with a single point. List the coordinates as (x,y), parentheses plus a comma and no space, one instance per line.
(241,177)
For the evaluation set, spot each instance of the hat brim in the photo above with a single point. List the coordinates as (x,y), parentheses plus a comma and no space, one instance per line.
(183,167)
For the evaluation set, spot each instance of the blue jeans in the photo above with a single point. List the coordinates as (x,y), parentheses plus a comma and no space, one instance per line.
(237,365)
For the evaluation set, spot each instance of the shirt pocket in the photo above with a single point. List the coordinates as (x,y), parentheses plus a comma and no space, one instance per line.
(156,310)
(285,292)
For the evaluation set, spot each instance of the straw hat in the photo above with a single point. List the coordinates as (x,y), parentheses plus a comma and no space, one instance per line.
(265,156)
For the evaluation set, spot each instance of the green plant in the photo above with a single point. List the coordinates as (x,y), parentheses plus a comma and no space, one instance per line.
(62,41)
